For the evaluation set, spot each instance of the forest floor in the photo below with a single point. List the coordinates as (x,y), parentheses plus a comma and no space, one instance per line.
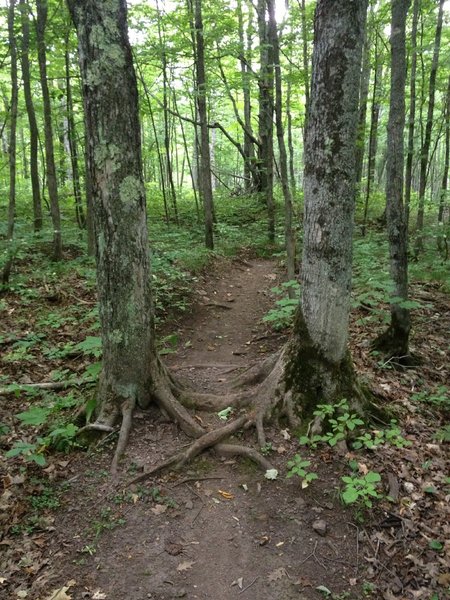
(220,530)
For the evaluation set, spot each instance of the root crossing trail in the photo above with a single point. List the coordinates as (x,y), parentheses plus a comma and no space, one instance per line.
(219,530)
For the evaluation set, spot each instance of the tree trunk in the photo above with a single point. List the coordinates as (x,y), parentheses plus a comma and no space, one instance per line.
(73,147)
(12,146)
(424,155)
(305,60)
(205,176)
(363,96)
(166,117)
(52,185)
(319,367)
(394,341)
(34,170)
(119,207)
(250,174)
(373,139)
(289,234)
(412,109)
(266,118)
(443,201)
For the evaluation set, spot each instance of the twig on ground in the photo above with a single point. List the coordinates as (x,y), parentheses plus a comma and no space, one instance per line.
(248,586)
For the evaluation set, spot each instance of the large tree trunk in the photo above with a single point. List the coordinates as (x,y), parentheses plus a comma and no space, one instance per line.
(52,185)
(119,206)
(318,365)
(394,342)
(12,143)
(34,170)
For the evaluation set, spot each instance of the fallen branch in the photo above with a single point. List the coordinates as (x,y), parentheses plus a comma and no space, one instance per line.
(50,385)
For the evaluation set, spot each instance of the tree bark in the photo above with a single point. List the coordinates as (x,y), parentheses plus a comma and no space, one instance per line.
(319,367)
(424,154)
(73,146)
(443,201)
(205,162)
(265,154)
(373,137)
(52,186)
(12,146)
(119,206)
(394,341)
(289,238)
(363,96)
(34,169)
(412,110)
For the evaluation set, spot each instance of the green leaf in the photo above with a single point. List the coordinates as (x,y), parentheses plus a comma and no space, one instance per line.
(350,495)
(436,545)
(39,459)
(225,413)
(372,477)
(34,416)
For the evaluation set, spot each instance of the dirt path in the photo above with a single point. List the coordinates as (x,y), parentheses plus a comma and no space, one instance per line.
(220,530)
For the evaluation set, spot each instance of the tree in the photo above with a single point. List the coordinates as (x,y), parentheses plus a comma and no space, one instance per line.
(205,161)
(425,150)
(41,22)
(394,341)
(34,137)
(12,141)
(318,364)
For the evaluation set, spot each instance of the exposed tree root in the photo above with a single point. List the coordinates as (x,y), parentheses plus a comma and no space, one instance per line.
(258,405)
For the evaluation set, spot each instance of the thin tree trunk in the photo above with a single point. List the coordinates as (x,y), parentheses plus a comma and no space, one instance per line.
(373,139)
(288,231)
(168,156)
(290,140)
(266,118)
(443,201)
(73,147)
(52,185)
(394,342)
(412,110)
(305,60)
(363,96)
(424,156)
(34,169)
(12,146)
(250,173)
(205,178)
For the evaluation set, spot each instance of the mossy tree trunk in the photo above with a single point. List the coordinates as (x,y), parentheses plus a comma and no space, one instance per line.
(119,206)
(394,341)
(318,365)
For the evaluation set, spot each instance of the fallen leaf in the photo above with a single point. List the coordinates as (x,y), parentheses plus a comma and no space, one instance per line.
(226,495)
(285,433)
(159,509)
(184,566)
(98,595)
(60,594)
(271,474)
(239,582)
(277,574)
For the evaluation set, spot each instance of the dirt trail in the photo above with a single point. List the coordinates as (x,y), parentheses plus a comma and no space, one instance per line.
(220,530)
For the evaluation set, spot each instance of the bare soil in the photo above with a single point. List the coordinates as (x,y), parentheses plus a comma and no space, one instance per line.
(220,530)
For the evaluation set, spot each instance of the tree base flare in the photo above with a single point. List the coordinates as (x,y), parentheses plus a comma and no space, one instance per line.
(263,393)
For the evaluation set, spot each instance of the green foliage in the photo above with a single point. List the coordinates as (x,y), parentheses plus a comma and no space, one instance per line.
(438,398)
(341,424)
(299,466)
(282,315)
(361,490)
